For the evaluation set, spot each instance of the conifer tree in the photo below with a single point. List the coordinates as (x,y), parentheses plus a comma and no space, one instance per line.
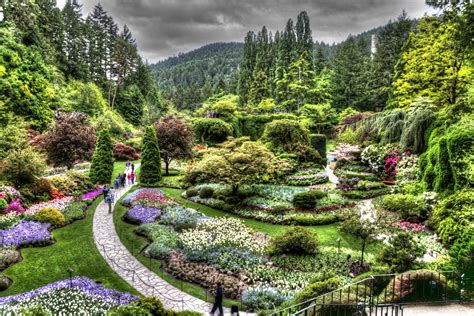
(259,89)
(150,170)
(303,37)
(246,67)
(103,159)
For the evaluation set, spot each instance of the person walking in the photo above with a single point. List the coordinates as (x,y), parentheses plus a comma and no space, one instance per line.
(133,167)
(127,165)
(116,183)
(105,191)
(218,300)
(122,180)
(109,199)
(132,177)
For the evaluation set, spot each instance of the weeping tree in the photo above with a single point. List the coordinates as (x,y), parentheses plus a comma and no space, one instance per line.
(414,130)
(150,170)
(103,159)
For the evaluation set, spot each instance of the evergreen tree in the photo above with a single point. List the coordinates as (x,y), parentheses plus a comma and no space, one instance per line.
(351,66)
(74,42)
(285,56)
(303,37)
(390,41)
(246,67)
(103,159)
(320,61)
(259,90)
(150,170)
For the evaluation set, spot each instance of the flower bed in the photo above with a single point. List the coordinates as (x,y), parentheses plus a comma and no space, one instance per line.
(26,233)
(91,195)
(147,197)
(141,214)
(307,177)
(78,295)
(59,204)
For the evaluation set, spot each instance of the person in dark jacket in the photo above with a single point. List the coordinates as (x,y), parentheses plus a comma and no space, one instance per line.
(105,191)
(218,300)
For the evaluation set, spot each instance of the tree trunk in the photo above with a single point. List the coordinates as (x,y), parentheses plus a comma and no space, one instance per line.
(167,164)
(363,250)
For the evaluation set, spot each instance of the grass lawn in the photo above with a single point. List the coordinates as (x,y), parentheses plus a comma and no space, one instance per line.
(74,248)
(135,244)
(119,167)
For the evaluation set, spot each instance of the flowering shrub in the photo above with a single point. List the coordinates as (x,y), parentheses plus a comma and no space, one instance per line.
(127,201)
(9,193)
(345,152)
(147,197)
(8,256)
(26,233)
(412,227)
(15,207)
(142,214)
(264,297)
(84,297)
(181,218)
(391,165)
(164,239)
(3,204)
(407,168)
(8,220)
(59,204)
(221,232)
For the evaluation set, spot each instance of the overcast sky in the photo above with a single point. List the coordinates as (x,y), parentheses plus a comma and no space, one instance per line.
(164,28)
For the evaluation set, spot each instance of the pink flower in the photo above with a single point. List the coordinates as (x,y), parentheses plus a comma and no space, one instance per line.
(15,207)
(412,227)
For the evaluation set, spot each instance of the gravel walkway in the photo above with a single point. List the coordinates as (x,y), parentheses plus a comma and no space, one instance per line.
(134,272)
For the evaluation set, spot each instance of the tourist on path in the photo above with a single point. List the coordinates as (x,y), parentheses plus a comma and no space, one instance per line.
(133,167)
(117,182)
(105,191)
(132,177)
(218,300)
(110,200)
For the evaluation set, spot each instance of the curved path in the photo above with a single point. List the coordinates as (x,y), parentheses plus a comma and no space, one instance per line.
(134,272)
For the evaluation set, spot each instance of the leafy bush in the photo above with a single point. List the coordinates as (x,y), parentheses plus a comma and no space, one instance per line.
(279,209)
(348,184)
(50,215)
(23,166)
(124,152)
(206,193)
(74,211)
(318,141)
(3,204)
(307,200)
(191,192)
(408,206)
(211,129)
(370,185)
(317,288)
(43,188)
(454,215)
(401,253)
(286,134)
(154,306)
(296,240)
(129,310)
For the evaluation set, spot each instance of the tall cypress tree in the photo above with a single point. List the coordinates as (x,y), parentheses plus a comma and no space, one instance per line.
(304,38)
(103,159)
(150,170)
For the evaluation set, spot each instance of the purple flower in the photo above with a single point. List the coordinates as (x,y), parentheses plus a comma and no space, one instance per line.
(143,214)
(86,285)
(92,194)
(14,206)
(25,233)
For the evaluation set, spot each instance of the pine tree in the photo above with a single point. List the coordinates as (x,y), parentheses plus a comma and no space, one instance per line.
(103,159)
(304,39)
(259,90)
(320,61)
(246,67)
(150,170)
(74,42)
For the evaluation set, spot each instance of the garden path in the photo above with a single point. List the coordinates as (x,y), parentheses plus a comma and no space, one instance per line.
(134,272)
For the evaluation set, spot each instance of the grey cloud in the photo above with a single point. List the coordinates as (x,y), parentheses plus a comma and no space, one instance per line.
(167,27)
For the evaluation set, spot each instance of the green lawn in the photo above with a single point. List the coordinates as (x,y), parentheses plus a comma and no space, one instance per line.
(74,248)
(119,167)
(135,244)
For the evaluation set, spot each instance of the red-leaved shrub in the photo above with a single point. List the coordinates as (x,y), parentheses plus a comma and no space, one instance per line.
(125,152)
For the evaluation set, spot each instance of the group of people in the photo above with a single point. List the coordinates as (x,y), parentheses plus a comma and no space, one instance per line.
(121,181)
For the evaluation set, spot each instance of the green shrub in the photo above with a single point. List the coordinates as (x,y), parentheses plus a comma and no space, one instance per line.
(211,130)
(129,310)
(408,206)
(279,209)
(314,220)
(188,313)
(50,215)
(370,185)
(401,253)
(318,141)
(317,288)
(103,159)
(454,215)
(460,141)
(3,204)
(444,175)
(191,192)
(286,134)
(74,211)
(254,125)
(206,193)
(296,240)
(150,170)
(308,199)
(154,306)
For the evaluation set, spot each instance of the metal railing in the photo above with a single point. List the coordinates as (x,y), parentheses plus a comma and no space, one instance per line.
(384,290)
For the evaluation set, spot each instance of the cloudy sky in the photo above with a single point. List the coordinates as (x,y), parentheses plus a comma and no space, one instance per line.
(166,27)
